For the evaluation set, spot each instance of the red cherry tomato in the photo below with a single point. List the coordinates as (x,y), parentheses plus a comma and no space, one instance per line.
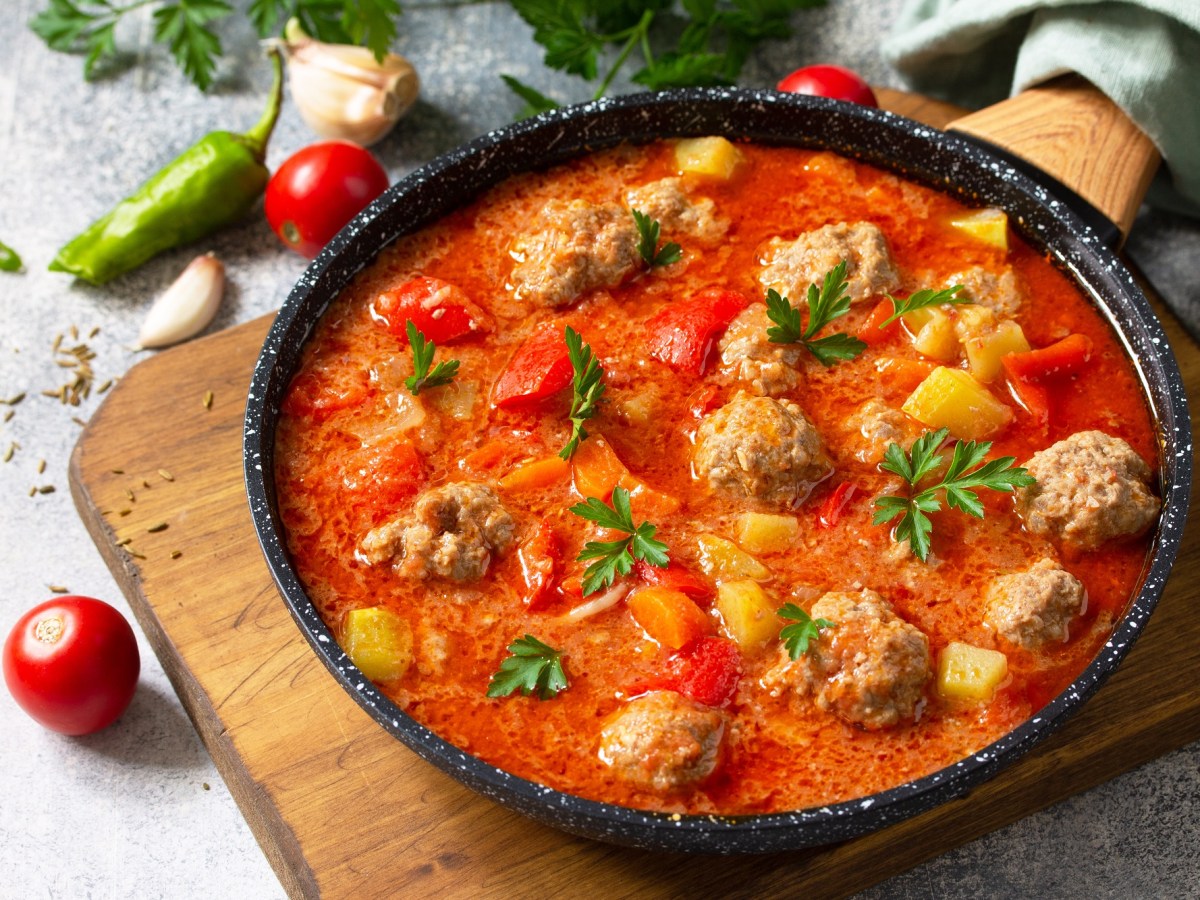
(835,82)
(72,663)
(319,189)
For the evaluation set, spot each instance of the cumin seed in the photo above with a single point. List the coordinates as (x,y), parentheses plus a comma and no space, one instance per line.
(124,512)
(157,527)
(104,387)
(135,553)
(46,489)
(95,331)
(165,475)
(129,494)
(9,414)
(123,541)
(117,471)
(57,589)
(208,399)
(41,466)
(175,554)
(8,454)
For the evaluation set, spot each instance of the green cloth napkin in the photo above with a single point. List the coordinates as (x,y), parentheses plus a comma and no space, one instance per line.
(1144,55)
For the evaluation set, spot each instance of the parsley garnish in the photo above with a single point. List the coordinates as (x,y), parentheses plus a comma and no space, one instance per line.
(804,628)
(825,304)
(9,260)
(531,667)
(188,27)
(587,388)
(616,557)
(958,483)
(443,372)
(649,230)
(920,300)
(704,43)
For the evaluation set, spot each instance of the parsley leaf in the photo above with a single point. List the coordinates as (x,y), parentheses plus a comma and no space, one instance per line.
(959,483)
(587,388)
(920,300)
(10,260)
(422,377)
(826,303)
(648,231)
(532,667)
(804,629)
(185,26)
(616,557)
(535,101)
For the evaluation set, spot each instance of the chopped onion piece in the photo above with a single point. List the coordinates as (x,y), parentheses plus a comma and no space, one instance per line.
(611,597)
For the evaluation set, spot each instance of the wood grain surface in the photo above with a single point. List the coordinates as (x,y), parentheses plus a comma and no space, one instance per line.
(341,809)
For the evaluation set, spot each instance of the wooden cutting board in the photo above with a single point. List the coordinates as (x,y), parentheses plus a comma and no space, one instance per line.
(342,809)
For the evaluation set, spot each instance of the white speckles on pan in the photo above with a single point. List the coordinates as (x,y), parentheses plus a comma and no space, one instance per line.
(916,151)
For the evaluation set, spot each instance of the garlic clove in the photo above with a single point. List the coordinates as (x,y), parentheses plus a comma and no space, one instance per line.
(343,92)
(187,306)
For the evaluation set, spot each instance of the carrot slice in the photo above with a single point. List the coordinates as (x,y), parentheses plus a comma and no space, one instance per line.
(1065,357)
(668,616)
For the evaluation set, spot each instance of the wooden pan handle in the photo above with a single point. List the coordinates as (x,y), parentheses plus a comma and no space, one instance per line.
(1071,131)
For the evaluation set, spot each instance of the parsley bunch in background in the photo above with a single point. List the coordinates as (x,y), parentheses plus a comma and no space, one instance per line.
(188,27)
(692,43)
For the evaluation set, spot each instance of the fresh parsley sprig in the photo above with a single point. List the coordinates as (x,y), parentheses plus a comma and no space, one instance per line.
(921,299)
(804,628)
(959,483)
(616,557)
(587,388)
(422,377)
(826,303)
(648,231)
(532,667)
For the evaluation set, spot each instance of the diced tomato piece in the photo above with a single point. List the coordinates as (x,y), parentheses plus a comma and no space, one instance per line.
(835,503)
(703,400)
(571,587)
(385,476)
(675,577)
(442,311)
(1065,357)
(540,557)
(900,376)
(539,368)
(683,334)
(707,673)
(873,331)
(315,395)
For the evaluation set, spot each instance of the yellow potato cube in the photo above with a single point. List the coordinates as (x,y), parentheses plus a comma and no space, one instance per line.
(989,226)
(714,157)
(748,613)
(936,338)
(766,532)
(724,560)
(379,642)
(970,673)
(951,398)
(985,350)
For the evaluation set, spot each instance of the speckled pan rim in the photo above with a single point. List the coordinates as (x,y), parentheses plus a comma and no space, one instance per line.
(889,141)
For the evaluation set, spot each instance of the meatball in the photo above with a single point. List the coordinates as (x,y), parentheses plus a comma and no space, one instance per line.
(875,425)
(580,247)
(791,266)
(1034,607)
(666,202)
(1091,488)
(452,533)
(761,448)
(748,355)
(663,741)
(869,669)
(999,293)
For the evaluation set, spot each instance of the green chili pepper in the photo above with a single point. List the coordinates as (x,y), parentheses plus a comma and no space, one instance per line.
(210,185)
(9,260)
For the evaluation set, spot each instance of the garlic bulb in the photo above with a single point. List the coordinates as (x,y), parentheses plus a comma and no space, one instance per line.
(187,306)
(342,91)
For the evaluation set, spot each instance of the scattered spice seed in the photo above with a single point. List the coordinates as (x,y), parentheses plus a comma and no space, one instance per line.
(14,400)
(117,471)
(8,454)
(104,387)
(82,423)
(208,399)
(33,491)
(175,554)
(95,331)
(46,489)
(56,394)
(135,553)
(157,527)
(129,494)
(58,339)
(8,415)
(124,512)
(74,332)
(123,541)
(145,483)
(57,589)
(165,475)
(41,466)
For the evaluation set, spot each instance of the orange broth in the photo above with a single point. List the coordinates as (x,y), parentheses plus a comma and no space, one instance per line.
(343,467)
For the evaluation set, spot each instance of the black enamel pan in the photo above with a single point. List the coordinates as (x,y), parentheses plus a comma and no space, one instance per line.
(943,161)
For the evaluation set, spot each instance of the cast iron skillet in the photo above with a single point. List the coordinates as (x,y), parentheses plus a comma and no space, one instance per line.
(916,151)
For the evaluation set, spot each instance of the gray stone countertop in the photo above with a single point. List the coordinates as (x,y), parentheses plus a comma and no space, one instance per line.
(138,810)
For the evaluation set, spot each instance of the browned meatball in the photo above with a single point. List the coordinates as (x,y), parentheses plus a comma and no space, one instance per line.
(999,293)
(761,448)
(451,532)
(663,741)
(749,356)
(666,202)
(579,247)
(791,266)
(875,425)
(869,669)
(1034,607)
(1091,488)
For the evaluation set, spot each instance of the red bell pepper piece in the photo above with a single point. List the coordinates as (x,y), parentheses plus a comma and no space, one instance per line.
(703,400)
(385,477)
(675,577)
(313,394)
(442,311)
(835,503)
(683,334)
(707,673)
(873,331)
(539,368)
(540,557)
(1065,357)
